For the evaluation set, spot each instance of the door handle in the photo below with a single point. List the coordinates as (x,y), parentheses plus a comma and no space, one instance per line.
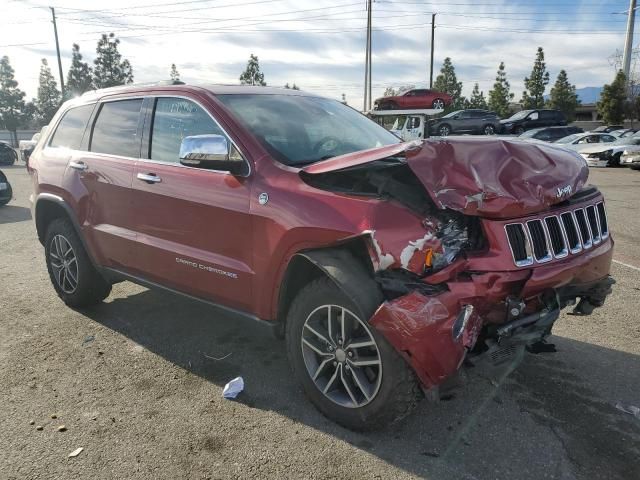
(78,165)
(149,177)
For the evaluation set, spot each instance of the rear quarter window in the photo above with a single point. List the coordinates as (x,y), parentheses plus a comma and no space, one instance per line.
(70,129)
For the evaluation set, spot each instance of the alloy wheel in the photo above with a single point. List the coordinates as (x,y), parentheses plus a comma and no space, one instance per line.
(341,356)
(489,130)
(438,104)
(444,131)
(64,264)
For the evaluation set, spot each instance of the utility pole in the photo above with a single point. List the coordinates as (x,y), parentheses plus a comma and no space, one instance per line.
(55,31)
(367,63)
(433,34)
(370,51)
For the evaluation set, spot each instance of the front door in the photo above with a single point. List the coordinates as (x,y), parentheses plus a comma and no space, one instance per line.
(194,228)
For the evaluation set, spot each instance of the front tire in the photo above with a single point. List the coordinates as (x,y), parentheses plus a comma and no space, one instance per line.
(72,274)
(519,130)
(615,160)
(346,368)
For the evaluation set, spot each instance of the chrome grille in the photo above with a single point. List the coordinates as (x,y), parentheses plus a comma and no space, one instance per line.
(557,236)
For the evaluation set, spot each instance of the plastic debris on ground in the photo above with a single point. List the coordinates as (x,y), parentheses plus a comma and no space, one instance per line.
(233,388)
(630,409)
(76,452)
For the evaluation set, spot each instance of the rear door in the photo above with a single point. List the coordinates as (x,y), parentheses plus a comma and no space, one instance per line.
(100,175)
(194,228)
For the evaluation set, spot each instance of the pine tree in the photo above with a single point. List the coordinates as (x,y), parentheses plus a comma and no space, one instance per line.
(49,97)
(535,84)
(12,106)
(563,97)
(174,74)
(286,85)
(477,99)
(500,95)
(447,82)
(252,74)
(389,92)
(110,70)
(79,78)
(295,87)
(612,100)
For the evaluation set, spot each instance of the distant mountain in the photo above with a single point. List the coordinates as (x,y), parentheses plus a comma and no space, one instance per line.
(586,94)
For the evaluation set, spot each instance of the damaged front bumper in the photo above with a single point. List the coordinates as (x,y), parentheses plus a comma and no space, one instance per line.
(490,314)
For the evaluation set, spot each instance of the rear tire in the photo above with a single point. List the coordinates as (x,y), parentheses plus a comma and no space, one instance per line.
(488,130)
(357,397)
(438,104)
(444,130)
(72,274)
(519,130)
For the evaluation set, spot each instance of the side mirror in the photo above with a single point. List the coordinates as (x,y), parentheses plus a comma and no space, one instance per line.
(212,152)
(456,117)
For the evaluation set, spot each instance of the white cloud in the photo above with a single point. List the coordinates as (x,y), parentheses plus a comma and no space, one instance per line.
(210,41)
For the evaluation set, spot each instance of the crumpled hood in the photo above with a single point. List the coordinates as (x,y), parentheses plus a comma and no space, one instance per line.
(488,177)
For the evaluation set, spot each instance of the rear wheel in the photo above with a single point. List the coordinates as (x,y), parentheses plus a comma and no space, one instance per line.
(347,369)
(444,130)
(438,104)
(74,278)
(488,129)
(519,130)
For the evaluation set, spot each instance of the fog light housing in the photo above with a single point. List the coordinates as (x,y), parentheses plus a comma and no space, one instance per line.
(461,321)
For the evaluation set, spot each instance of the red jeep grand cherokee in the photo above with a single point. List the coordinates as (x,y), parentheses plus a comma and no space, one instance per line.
(385,265)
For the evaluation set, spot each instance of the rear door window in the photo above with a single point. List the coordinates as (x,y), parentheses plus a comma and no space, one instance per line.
(173,120)
(71,128)
(116,129)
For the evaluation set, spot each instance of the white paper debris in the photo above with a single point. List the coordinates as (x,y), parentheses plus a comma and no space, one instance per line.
(76,452)
(233,388)
(630,409)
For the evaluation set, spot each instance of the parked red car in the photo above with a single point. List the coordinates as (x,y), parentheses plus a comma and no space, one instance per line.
(384,265)
(416,98)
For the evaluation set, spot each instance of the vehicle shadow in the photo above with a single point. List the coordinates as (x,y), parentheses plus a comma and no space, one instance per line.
(543,420)
(13,214)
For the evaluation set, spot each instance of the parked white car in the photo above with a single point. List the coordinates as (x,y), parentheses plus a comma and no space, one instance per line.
(579,141)
(610,154)
(409,127)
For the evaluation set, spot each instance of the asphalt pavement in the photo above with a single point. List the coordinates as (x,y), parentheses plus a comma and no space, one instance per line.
(137,383)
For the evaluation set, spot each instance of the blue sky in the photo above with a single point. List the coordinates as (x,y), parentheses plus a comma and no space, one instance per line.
(319,44)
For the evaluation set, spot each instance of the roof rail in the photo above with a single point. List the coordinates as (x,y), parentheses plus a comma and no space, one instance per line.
(134,85)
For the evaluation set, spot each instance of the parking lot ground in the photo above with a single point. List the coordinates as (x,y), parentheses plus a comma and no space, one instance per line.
(137,383)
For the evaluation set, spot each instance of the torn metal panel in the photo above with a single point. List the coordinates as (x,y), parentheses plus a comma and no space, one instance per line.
(420,328)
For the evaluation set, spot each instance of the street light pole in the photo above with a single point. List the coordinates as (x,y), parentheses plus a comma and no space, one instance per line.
(628,46)
(366,60)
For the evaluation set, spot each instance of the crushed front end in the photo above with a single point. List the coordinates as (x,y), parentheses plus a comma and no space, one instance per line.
(489,302)
(476,244)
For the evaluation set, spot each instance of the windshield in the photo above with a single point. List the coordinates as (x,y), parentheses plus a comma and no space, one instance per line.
(452,114)
(299,130)
(569,138)
(519,115)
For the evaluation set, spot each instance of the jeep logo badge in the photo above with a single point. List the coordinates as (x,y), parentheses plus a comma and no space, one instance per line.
(566,190)
(263,198)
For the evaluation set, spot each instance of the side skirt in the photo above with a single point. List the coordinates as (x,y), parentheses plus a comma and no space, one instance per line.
(114,276)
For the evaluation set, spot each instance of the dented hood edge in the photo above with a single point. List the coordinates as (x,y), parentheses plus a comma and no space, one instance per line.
(488,177)
(360,157)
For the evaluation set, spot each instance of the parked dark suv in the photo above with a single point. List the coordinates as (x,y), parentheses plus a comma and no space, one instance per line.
(384,265)
(550,134)
(466,121)
(528,119)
